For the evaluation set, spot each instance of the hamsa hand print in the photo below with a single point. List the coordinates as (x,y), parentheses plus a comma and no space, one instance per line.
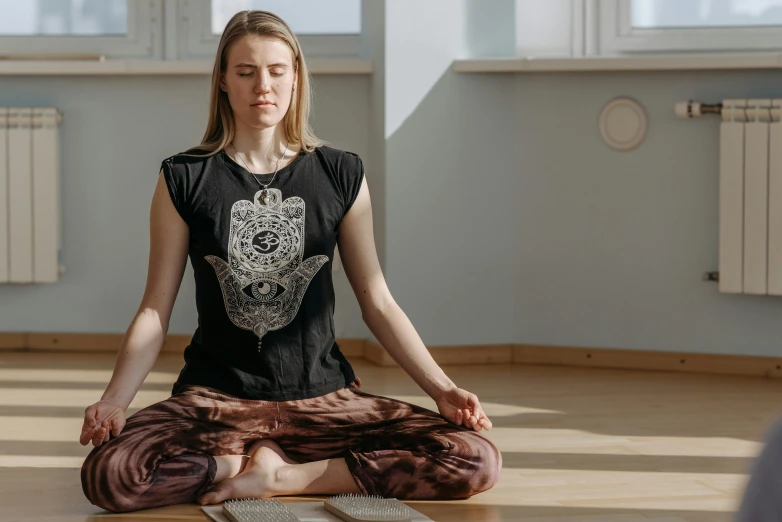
(264,280)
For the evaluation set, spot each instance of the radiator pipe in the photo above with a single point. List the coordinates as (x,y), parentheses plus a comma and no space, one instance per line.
(691,109)
(711,276)
(733,110)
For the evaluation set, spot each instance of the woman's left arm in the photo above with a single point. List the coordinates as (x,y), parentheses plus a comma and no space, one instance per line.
(389,323)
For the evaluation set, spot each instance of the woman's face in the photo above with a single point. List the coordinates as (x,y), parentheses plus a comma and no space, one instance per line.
(259,80)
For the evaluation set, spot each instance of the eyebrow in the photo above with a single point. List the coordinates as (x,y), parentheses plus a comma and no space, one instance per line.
(244,64)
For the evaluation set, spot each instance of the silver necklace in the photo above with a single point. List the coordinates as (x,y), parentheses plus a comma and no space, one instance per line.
(264,193)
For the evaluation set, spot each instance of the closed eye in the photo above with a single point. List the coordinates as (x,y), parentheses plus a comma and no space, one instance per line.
(275,74)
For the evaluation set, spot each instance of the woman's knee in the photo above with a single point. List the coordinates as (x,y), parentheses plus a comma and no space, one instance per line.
(107,480)
(482,463)
(490,465)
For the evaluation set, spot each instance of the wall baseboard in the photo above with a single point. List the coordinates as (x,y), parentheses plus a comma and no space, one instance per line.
(648,360)
(79,342)
(448,355)
(453,355)
(541,355)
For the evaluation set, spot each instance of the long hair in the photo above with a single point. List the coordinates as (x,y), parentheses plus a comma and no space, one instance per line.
(221,128)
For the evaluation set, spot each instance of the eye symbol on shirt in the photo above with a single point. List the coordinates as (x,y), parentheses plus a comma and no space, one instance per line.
(266,242)
(265,276)
(264,290)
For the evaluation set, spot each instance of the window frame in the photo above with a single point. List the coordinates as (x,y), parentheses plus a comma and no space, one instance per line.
(142,41)
(616,35)
(195,41)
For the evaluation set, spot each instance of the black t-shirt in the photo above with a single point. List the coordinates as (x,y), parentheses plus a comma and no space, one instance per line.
(264,292)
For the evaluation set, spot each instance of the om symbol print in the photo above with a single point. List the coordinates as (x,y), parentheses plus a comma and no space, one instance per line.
(264,279)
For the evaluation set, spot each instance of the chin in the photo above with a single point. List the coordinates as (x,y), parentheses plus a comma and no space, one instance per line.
(263,122)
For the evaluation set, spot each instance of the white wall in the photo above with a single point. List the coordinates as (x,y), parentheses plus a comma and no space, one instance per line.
(500,215)
(509,220)
(615,244)
(115,133)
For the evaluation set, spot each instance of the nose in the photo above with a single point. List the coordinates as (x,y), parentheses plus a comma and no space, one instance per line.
(264,82)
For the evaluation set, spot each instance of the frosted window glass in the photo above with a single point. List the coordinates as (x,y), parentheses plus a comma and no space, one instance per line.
(303,16)
(670,14)
(63,17)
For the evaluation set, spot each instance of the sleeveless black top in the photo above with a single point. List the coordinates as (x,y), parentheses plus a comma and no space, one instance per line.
(262,268)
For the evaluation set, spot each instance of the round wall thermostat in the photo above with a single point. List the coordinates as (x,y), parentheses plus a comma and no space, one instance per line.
(623,124)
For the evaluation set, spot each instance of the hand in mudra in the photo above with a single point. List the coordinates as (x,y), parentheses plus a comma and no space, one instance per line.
(463,408)
(101,420)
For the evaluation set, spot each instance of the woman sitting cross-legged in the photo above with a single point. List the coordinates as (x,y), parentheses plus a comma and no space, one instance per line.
(266,404)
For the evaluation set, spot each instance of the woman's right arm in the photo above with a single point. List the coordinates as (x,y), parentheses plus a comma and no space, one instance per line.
(169,239)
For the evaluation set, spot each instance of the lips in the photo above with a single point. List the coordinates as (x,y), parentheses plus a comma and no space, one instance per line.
(262,104)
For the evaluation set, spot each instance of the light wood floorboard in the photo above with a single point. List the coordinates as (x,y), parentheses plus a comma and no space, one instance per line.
(578,444)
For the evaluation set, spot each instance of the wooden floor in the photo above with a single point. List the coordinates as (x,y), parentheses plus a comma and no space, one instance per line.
(578,444)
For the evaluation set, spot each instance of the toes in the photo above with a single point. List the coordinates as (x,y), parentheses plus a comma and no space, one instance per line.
(214,497)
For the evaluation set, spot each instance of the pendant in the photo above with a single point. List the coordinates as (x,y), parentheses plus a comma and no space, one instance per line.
(265,197)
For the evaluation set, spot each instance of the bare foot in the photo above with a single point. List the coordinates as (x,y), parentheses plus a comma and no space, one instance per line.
(258,479)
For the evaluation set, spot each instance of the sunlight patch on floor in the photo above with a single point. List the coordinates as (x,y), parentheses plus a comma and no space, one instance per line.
(40,461)
(551,440)
(65,397)
(80,376)
(616,490)
(491,408)
(40,429)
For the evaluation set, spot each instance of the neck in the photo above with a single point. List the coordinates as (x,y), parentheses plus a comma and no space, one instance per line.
(261,149)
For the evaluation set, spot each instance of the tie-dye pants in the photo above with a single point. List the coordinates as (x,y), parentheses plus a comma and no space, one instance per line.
(165,453)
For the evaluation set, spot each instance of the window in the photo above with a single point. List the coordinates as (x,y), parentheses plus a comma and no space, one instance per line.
(303,16)
(113,28)
(190,29)
(656,14)
(73,17)
(627,26)
(324,28)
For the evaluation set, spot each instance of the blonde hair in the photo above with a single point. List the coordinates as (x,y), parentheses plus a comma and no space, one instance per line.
(221,127)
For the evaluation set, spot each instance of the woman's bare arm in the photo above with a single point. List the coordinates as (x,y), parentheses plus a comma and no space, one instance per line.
(380,312)
(169,238)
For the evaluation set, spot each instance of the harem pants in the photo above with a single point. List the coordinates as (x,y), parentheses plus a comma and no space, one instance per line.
(165,453)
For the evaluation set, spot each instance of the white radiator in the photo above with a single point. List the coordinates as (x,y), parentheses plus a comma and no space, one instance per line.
(750,227)
(29,194)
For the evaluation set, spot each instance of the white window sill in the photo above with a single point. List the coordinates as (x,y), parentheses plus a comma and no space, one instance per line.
(160,67)
(621,63)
